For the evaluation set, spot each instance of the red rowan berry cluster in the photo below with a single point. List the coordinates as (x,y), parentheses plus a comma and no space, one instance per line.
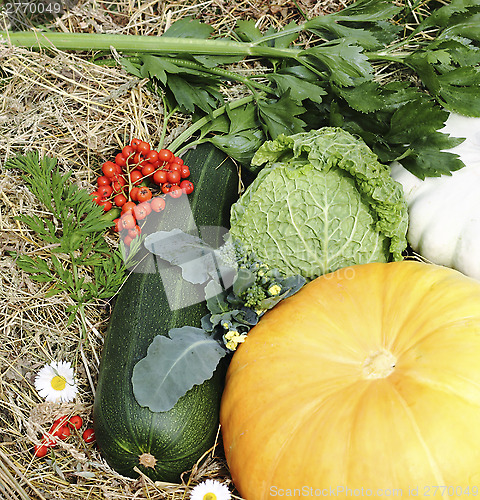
(139,182)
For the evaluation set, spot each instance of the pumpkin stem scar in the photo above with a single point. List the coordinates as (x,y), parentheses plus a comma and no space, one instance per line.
(147,460)
(379,364)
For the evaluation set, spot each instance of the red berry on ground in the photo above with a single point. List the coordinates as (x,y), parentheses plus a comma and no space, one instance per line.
(177,160)
(62,432)
(173,177)
(148,169)
(135,143)
(140,212)
(143,148)
(133,193)
(144,194)
(166,187)
(95,197)
(40,450)
(75,421)
(174,167)
(152,156)
(128,151)
(88,435)
(105,191)
(107,205)
(138,160)
(128,207)
(136,231)
(136,177)
(184,172)
(120,200)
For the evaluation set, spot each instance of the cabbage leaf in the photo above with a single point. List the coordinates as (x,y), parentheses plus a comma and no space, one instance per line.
(322,202)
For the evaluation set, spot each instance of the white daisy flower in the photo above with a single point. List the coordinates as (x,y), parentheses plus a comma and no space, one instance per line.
(210,490)
(55,382)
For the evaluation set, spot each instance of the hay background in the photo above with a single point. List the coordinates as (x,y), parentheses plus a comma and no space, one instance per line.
(63,105)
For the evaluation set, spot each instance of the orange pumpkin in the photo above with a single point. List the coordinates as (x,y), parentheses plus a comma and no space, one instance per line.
(364,382)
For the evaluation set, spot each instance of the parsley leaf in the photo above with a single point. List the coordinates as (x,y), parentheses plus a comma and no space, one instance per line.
(280,116)
(345,62)
(368,13)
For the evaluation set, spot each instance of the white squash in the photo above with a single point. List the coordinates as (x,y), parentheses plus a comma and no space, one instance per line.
(444,211)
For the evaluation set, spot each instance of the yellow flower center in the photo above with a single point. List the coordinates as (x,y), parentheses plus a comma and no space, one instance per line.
(209,496)
(58,383)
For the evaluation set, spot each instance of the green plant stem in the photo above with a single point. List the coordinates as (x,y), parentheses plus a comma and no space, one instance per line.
(399,58)
(227,75)
(142,43)
(186,134)
(165,122)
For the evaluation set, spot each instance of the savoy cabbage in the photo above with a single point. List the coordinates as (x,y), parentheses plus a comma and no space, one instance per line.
(322,202)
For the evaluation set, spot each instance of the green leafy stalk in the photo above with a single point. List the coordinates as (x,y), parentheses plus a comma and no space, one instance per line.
(163,45)
(331,81)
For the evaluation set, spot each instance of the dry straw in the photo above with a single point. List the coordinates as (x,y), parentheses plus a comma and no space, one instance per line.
(64,105)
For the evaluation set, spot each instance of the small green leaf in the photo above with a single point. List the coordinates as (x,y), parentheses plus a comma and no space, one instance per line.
(427,157)
(366,97)
(33,265)
(133,69)
(242,118)
(189,95)
(188,27)
(443,15)
(173,365)
(244,280)
(216,298)
(299,89)
(247,31)
(284,41)
(368,13)
(347,63)
(241,146)
(280,116)
(414,120)
(214,61)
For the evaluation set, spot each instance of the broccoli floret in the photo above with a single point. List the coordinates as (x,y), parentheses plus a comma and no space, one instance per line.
(253,296)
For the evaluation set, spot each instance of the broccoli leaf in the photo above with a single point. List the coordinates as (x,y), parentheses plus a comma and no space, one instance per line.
(173,365)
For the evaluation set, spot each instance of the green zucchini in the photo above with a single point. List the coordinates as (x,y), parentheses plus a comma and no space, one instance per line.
(162,445)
